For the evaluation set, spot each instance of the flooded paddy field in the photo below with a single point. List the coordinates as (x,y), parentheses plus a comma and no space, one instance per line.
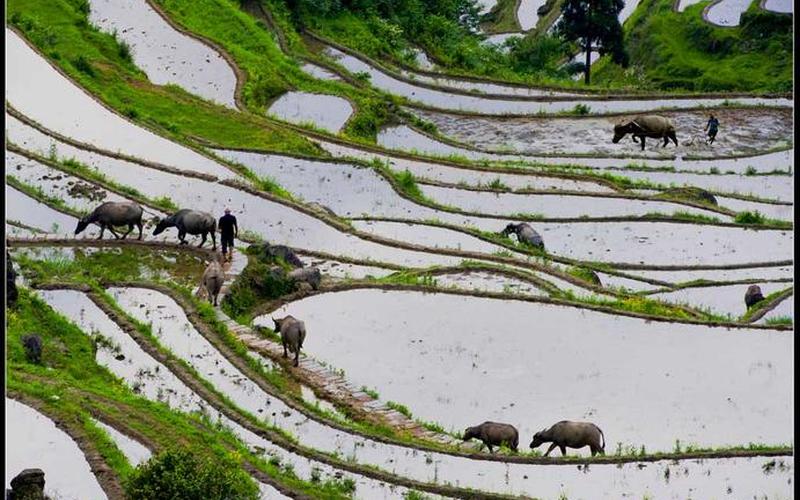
(22,208)
(505,204)
(763,273)
(404,138)
(36,442)
(154,381)
(323,111)
(519,364)
(723,300)
(487,282)
(134,451)
(164,54)
(97,125)
(638,243)
(747,131)
(77,194)
(441,99)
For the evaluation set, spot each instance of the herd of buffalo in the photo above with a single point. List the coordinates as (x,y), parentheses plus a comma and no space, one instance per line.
(562,435)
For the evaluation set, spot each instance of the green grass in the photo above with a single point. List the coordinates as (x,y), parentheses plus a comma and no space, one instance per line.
(502,18)
(400,408)
(60,29)
(760,305)
(37,193)
(679,51)
(780,320)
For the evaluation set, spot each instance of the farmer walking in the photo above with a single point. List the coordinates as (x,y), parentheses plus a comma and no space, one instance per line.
(229,230)
(712,127)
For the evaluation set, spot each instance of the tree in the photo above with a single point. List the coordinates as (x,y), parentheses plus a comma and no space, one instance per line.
(595,25)
(181,474)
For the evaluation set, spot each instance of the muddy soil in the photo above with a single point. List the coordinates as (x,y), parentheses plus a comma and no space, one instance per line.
(742,131)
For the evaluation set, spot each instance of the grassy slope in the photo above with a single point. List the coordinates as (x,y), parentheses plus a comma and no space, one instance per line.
(678,50)
(59,29)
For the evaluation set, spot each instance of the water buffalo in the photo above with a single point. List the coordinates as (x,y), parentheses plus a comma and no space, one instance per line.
(190,222)
(494,434)
(752,296)
(213,277)
(32,344)
(525,234)
(310,275)
(653,126)
(566,434)
(293,333)
(11,281)
(114,213)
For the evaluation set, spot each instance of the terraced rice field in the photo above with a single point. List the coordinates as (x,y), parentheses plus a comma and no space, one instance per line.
(427,318)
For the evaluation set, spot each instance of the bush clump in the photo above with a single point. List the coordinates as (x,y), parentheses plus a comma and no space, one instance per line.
(182,474)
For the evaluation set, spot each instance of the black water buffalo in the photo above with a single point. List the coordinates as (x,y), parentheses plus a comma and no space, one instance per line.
(752,296)
(494,434)
(190,222)
(566,434)
(111,214)
(653,126)
(293,333)
(525,234)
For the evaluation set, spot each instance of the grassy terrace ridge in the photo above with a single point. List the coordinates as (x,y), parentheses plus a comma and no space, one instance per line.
(70,387)
(673,50)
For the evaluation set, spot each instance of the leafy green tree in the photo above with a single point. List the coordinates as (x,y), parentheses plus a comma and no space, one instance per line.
(594,24)
(181,474)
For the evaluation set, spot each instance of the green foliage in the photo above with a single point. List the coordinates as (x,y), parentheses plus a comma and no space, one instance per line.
(596,26)
(540,55)
(263,279)
(371,392)
(183,474)
(680,51)
(747,217)
(584,274)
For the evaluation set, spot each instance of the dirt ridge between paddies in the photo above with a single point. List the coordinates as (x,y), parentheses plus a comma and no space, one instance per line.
(217,401)
(589,97)
(109,481)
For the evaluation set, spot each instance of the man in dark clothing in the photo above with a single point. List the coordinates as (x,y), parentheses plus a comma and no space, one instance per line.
(712,126)
(229,230)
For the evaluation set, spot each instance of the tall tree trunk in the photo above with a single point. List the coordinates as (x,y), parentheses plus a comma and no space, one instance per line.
(588,68)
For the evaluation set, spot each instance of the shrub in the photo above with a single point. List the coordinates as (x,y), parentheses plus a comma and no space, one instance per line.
(749,218)
(181,474)
(83,65)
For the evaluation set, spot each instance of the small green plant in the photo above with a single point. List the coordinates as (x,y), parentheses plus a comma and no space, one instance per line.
(400,408)
(581,109)
(750,171)
(780,321)
(371,392)
(497,184)
(748,217)
(83,65)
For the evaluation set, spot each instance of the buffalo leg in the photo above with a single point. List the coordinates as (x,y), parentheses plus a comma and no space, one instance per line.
(285,354)
(214,241)
(552,447)
(203,241)
(643,143)
(182,237)
(102,230)
(563,450)
(674,139)
(666,141)
(140,225)
(130,229)
(489,445)
(111,230)
(297,357)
